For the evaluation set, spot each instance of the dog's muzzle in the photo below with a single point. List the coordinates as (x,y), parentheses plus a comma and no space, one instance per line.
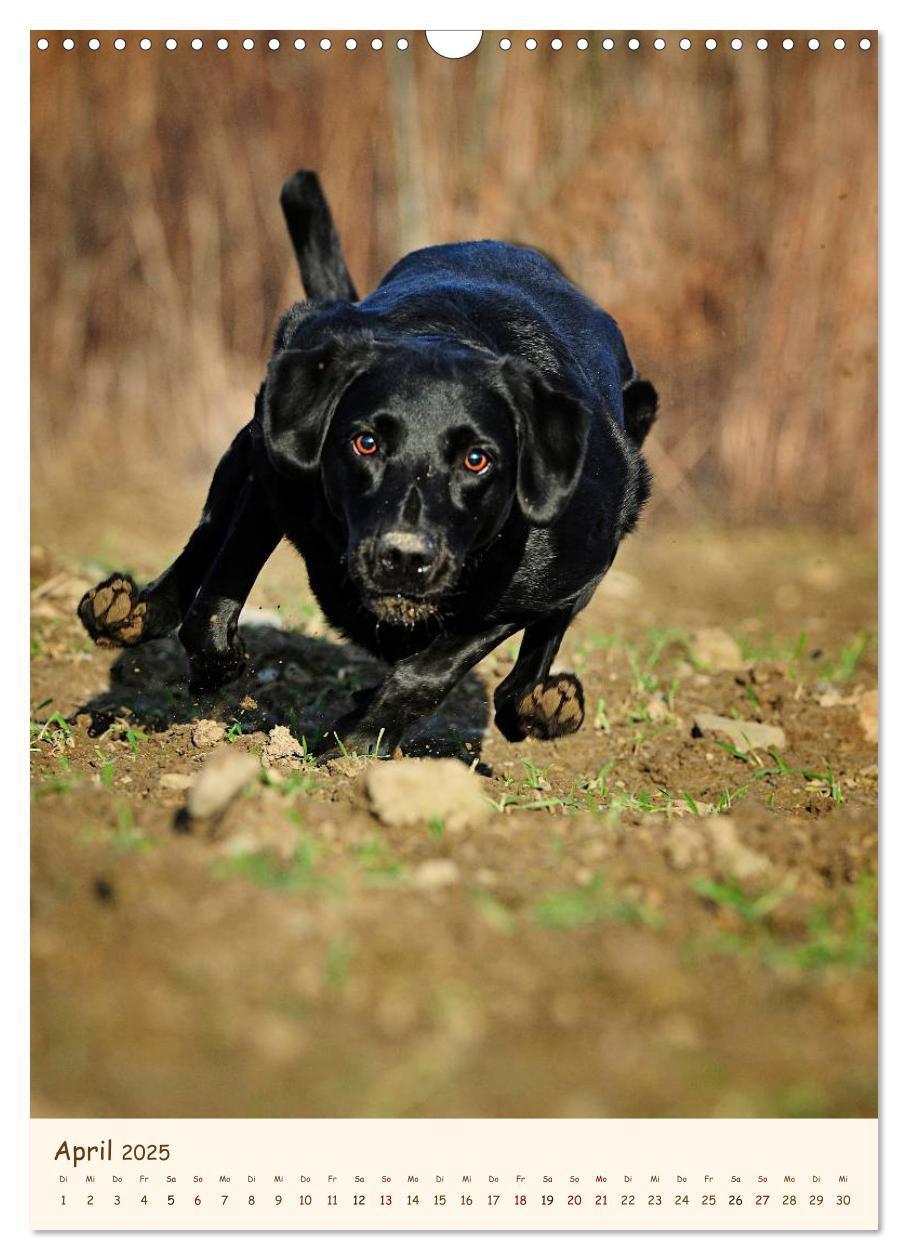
(402,573)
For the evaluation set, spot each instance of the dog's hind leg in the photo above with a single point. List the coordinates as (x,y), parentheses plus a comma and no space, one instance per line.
(116,613)
(315,241)
(531,701)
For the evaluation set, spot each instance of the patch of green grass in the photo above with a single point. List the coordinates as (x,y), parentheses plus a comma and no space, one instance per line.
(595,902)
(823,782)
(54,732)
(841,671)
(337,961)
(297,873)
(233,732)
(55,785)
(108,770)
(600,718)
(131,736)
(844,936)
(495,912)
(127,835)
(751,908)
(294,783)
(380,864)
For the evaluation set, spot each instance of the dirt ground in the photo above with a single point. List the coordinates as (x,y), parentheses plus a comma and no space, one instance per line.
(650,918)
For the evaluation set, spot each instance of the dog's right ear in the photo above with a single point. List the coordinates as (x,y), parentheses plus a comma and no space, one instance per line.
(302,390)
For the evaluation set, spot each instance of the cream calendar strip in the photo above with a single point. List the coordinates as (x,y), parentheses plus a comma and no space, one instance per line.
(445,1174)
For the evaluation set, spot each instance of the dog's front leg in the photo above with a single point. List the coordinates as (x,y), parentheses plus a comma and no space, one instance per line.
(414,687)
(209,630)
(116,613)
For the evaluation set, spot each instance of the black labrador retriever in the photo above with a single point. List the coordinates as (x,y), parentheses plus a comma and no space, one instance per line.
(456,457)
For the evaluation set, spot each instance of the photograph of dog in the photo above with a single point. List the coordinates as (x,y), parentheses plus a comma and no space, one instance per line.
(456,457)
(501,739)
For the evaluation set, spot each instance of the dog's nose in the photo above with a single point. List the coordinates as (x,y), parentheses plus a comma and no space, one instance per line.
(406,555)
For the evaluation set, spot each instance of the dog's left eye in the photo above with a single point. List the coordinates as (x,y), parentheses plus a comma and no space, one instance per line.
(476,460)
(365,444)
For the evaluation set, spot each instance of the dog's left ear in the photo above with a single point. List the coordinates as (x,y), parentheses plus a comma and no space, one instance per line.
(552,432)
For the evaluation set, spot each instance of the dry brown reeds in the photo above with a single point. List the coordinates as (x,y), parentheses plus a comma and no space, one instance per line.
(722,205)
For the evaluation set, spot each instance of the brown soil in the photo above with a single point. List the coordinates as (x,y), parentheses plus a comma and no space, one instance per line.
(645,924)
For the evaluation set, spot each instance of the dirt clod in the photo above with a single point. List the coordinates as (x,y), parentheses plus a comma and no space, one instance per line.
(281,746)
(714,843)
(176,782)
(223,777)
(422,790)
(207,733)
(744,735)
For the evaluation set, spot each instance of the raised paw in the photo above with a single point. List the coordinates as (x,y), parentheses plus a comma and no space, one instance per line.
(113,612)
(548,710)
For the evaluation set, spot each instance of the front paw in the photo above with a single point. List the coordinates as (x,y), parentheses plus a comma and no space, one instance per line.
(548,710)
(210,671)
(113,612)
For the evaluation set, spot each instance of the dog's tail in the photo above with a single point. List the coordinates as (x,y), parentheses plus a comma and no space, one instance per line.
(315,241)
(641,402)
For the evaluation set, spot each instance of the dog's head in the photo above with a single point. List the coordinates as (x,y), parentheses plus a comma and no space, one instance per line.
(424,450)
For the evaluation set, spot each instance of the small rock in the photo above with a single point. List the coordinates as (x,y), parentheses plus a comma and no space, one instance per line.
(206,733)
(831,698)
(176,782)
(435,873)
(868,715)
(281,745)
(657,709)
(714,648)
(224,775)
(261,617)
(744,735)
(419,790)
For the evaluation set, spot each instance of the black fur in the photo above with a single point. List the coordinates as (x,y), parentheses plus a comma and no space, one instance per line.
(456,457)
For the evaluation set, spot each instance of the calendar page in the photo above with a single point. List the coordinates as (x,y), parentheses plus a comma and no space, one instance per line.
(453,629)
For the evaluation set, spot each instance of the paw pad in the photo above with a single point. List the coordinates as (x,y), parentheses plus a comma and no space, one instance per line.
(549,710)
(112,612)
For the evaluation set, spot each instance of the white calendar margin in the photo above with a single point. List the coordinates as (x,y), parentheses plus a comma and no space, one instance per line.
(407,14)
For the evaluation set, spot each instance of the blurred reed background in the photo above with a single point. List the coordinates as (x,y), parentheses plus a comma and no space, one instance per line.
(722,205)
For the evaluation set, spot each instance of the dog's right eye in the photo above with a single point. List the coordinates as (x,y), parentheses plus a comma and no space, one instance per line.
(365,444)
